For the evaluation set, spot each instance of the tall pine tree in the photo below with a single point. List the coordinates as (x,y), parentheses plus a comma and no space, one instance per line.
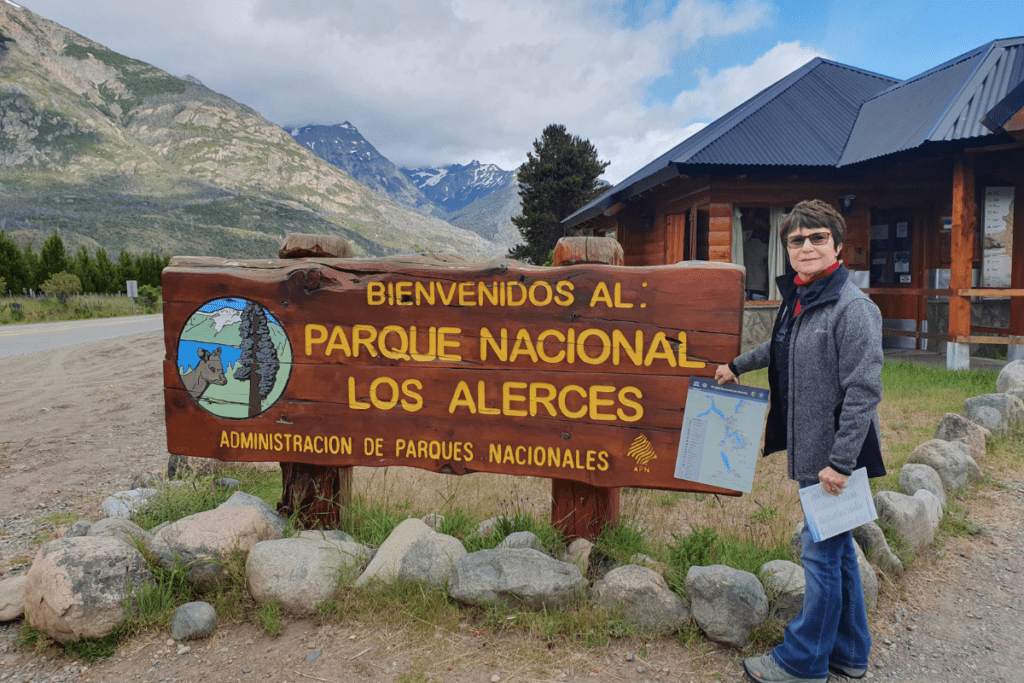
(559,176)
(53,259)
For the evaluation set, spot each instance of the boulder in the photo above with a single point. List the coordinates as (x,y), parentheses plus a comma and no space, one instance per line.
(241,499)
(649,562)
(915,476)
(1011,377)
(871,540)
(951,461)
(644,598)
(785,585)
(932,505)
(12,597)
(121,528)
(300,573)
(326,535)
(522,539)
(127,503)
(385,564)
(953,427)
(726,603)
(578,553)
(204,541)
(868,579)
(76,587)
(908,515)
(989,419)
(193,620)
(518,575)
(430,559)
(1009,407)
(79,528)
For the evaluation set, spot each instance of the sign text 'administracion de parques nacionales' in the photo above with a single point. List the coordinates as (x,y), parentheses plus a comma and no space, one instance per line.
(578,372)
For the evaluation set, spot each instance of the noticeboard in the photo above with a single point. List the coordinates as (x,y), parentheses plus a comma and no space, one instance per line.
(577,372)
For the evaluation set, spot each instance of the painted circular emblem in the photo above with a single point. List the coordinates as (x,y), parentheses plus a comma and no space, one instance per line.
(234,358)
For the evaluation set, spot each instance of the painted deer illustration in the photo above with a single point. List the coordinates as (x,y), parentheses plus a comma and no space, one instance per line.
(210,370)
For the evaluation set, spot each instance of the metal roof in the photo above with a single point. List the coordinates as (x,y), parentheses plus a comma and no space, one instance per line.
(945,103)
(802,120)
(826,114)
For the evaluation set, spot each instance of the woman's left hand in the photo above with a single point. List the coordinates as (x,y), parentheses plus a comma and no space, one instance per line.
(832,481)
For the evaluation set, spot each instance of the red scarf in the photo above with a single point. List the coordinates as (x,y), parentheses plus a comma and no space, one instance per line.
(800,282)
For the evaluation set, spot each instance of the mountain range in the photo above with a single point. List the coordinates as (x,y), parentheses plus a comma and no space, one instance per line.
(113,152)
(478,197)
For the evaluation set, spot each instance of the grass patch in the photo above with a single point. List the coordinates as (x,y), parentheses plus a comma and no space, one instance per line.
(268,615)
(58,518)
(80,307)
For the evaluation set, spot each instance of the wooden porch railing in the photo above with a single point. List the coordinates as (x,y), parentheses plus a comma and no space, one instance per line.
(993,335)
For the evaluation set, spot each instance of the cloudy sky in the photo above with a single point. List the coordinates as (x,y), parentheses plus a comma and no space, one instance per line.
(431,82)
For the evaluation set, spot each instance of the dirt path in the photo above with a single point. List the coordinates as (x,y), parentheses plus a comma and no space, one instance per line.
(77,423)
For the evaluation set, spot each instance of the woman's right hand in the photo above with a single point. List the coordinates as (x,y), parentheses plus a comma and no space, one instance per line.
(723,374)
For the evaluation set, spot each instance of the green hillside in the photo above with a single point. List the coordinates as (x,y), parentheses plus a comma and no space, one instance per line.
(113,152)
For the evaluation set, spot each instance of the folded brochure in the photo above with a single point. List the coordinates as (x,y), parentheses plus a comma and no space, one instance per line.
(828,515)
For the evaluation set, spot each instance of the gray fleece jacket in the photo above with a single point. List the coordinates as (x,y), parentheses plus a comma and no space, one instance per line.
(834,382)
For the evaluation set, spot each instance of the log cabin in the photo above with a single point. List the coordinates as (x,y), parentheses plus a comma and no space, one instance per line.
(925,170)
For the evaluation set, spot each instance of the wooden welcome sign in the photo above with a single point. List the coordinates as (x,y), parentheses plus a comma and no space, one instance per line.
(575,373)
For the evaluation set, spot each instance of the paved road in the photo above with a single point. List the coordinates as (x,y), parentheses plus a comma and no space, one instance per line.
(16,340)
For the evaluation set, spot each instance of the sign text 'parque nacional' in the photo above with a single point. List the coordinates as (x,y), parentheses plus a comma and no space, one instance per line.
(578,373)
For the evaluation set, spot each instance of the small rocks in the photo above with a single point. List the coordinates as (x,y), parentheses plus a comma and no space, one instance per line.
(193,620)
(951,461)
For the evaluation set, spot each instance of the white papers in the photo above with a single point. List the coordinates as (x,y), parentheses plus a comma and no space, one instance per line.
(828,515)
(721,434)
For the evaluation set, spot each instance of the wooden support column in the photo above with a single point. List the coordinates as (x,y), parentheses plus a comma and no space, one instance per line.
(581,510)
(961,262)
(1016,351)
(720,232)
(318,493)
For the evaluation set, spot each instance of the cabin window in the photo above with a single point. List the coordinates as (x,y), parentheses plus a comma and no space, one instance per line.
(758,248)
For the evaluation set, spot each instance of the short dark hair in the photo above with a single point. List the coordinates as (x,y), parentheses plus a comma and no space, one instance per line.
(814,213)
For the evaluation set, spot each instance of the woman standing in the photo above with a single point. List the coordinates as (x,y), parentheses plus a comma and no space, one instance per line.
(824,364)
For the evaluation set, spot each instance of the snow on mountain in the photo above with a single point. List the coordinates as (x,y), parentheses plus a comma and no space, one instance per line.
(456,186)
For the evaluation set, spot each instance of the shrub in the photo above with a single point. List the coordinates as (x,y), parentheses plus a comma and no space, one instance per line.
(150,297)
(62,285)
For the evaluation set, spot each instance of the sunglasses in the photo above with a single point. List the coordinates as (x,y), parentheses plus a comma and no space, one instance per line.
(817,239)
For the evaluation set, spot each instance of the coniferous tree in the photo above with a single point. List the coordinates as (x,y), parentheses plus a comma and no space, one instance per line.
(106,274)
(12,264)
(559,176)
(126,269)
(258,363)
(85,268)
(32,267)
(53,259)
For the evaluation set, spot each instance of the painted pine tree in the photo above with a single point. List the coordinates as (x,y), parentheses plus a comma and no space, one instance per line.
(258,363)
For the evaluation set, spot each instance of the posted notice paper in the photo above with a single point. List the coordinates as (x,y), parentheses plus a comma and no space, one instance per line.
(829,515)
(721,434)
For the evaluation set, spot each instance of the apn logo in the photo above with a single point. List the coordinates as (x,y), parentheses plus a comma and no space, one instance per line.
(643,452)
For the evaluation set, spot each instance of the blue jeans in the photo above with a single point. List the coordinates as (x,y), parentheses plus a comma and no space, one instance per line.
(833,624)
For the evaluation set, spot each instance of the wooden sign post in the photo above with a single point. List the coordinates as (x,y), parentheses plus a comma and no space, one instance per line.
(575,373)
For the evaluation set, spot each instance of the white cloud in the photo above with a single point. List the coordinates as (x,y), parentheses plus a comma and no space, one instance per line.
(438,81)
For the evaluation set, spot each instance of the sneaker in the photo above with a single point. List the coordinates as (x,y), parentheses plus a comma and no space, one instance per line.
(847,671)
(764,670)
